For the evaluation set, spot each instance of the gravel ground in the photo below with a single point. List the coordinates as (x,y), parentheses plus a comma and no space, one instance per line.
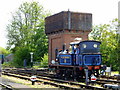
(21,84)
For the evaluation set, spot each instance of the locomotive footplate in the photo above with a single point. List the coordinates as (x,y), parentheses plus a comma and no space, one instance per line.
(67,66)
(80,67)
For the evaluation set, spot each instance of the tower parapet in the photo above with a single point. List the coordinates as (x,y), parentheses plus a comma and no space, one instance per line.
(67,20)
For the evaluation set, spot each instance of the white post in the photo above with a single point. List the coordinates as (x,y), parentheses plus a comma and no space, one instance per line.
(31,53)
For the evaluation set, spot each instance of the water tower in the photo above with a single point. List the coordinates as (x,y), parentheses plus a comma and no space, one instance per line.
(62,28)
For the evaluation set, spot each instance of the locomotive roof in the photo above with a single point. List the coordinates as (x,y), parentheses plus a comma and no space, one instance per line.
(78,42)
(90,41)
(72,43)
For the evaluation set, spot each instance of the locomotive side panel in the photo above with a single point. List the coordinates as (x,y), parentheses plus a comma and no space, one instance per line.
(66,59)
(92,59)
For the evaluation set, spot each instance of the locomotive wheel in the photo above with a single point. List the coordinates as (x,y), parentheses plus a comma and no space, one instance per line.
(97,72)
(59,74)
(90,73)
(79,75)
(67,75)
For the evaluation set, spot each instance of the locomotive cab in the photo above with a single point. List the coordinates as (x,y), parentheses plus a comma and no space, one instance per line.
(69,58)
(85,53)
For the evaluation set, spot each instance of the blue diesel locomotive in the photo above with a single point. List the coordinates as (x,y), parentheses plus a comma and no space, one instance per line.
(72,64)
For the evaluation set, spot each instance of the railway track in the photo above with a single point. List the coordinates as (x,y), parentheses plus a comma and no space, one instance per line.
(116,77)
(50,79)
(112,79)
(7,87)
(108,80)
(56,82)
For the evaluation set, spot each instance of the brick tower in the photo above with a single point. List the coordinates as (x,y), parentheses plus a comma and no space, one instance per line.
(62,28)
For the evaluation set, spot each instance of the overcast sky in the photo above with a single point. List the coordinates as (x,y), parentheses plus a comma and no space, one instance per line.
(103,10)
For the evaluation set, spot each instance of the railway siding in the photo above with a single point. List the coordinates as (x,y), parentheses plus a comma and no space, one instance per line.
(46,78)
(57,82)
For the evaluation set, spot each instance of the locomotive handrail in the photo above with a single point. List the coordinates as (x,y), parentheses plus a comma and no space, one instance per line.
(91,53)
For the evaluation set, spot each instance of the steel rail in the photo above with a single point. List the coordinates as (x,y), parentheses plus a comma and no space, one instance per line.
(7,86)
(57,81)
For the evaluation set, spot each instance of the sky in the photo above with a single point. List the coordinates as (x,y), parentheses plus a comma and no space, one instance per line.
(103,11)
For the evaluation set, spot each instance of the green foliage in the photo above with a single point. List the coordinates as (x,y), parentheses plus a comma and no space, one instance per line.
(8,65)
(26,33)
(21,54)
(44,62)
(106,33)
(118,51)
(4,51)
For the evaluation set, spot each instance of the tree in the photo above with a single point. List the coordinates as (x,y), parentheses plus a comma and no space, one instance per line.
(4,51)
(118,50)
(118,45)
(106,33)
(20,55)
(26,30)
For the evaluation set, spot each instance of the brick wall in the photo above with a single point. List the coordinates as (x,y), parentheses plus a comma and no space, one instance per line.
(57,40)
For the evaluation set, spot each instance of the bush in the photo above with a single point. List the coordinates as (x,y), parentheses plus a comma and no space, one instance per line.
(44,62)
(8,65)
(21,54)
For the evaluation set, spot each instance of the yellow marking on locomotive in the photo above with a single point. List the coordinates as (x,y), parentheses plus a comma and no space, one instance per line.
(66,57)
(65,61)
